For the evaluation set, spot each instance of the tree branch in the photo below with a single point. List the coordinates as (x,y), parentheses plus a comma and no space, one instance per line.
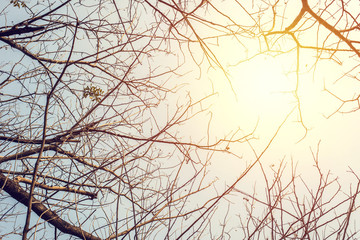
(19,194)
(56,188)
(329,27)
(26,153)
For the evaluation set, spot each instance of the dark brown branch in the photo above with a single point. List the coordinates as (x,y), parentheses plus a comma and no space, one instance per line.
(19,194)
(34,141)
(26,153)
(15,31)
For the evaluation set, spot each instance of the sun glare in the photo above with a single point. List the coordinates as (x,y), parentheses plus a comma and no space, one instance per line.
(262,95)
(262,85)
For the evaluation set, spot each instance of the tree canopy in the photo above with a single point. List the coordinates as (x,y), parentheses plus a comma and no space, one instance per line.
(176,119)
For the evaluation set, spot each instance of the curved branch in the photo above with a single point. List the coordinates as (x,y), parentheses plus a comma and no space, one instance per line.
(329,27)
(296,20)
(16,192)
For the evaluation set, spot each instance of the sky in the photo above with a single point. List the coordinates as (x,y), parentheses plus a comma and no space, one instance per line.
(254,95)
(262,95)
(259,93)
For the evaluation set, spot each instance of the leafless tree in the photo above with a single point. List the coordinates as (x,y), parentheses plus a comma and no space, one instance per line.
(103,137)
